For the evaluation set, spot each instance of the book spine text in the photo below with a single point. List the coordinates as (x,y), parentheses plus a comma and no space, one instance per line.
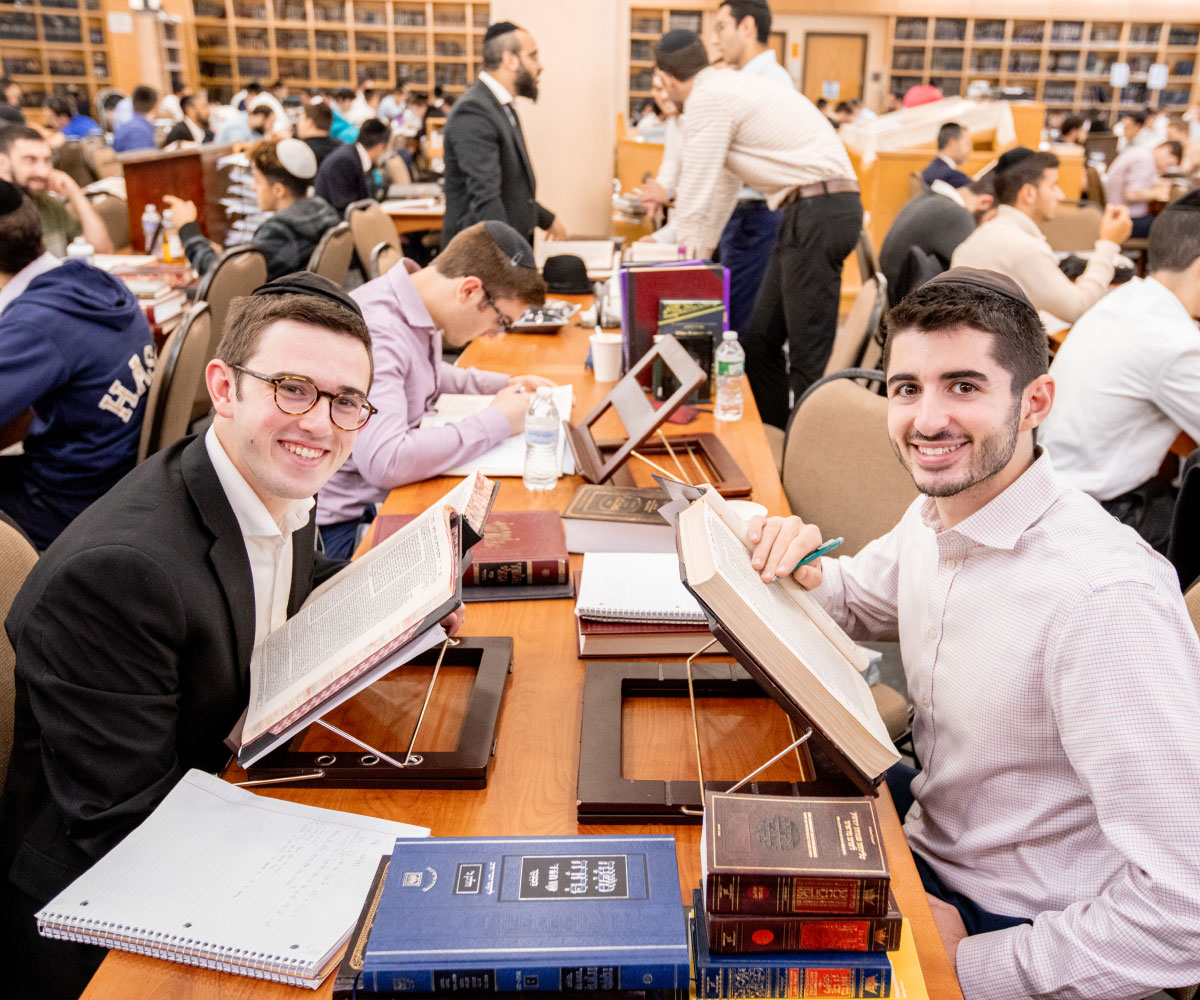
(786,894)
(516,573)
(797,981)
(529,979)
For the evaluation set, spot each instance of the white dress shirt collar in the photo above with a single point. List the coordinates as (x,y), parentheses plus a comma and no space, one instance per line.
(939,186)
(496,87)
(20,281)
(364,158)
(761,63)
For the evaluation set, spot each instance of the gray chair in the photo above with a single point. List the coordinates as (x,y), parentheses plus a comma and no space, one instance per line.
(383,258)
(371,226)
(17,557)
(114,213)
(238,271)
(179,370)
(333,253)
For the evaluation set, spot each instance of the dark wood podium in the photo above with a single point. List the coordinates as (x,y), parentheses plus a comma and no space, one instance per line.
(190,174)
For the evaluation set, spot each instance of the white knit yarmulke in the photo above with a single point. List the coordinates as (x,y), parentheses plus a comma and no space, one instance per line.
(297,158)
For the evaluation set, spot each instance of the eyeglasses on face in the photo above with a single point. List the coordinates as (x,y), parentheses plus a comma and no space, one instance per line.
(502,321)
(297,394)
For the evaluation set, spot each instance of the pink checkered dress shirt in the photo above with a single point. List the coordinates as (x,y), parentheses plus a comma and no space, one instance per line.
(1056,680)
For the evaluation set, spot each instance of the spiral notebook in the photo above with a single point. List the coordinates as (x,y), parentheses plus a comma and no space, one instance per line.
(635,587)
(222,878)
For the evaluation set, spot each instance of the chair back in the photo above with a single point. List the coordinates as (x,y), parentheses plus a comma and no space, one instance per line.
(238,271)
(1095,186)
(114,213)
(333,253)
(916,185)
(858,327)
(383,258)
(868,264)
(1105,143)
(839,470)
(72,159)
(172,392)
(371,226)
(103,160)
(106,101)
(17,557)
(1075,227)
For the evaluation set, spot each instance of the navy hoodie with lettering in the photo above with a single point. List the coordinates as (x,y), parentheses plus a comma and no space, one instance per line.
(76,347)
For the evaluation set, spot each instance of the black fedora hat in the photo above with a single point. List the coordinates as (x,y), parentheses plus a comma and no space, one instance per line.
(566,274)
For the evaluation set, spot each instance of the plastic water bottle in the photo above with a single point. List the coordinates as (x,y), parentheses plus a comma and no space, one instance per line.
(541,442)
(172,247)
(81,249)
(152,229)
(731,366)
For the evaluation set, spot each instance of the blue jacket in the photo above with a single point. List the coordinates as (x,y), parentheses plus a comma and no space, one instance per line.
(76,347)
(80,127)
(940,170)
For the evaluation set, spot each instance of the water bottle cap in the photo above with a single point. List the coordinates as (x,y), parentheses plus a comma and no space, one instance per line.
(729,335)
(544,392)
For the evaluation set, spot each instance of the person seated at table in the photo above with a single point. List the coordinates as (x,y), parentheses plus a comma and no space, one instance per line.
(1178,131)
(953,148)
(1027,192)
(77,350)
(1133,177)
(1074,130)
(1128,380)
(313,128)
(345,174)
(1048,654)
(64,119)
(192,127)
(10,103)
(340,103)
(247,126)
(138,132)
(481,283)
(282,170)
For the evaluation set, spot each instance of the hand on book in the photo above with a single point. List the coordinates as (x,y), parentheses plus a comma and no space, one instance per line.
(780,543)
(453,621)
(529,383)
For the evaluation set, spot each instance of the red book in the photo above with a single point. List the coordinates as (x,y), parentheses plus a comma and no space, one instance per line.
(519,548)
(770,854)
(734,933)
(645,287)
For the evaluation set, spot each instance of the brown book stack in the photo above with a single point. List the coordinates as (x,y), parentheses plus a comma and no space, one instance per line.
(606,518)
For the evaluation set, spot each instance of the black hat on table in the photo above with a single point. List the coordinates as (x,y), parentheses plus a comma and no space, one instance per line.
(566,274)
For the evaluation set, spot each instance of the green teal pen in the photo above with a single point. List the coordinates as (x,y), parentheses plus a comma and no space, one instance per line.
(820,550)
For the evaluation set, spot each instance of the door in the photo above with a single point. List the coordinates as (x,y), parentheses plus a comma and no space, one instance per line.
(834,58)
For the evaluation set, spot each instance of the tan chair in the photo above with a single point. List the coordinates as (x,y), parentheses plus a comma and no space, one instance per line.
(114,213)
(371,226)
(859,326)
(916,185)
(383,258)
(17,557)
(332,256)
(1075,227)
(868,263)
(179,370)
(1095,187)
(839,470)
(238,271)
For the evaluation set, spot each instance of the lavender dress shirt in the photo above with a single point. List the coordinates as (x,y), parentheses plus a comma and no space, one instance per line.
(391,449)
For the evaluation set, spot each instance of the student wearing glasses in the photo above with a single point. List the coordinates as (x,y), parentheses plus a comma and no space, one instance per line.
(480,284)
(133,633)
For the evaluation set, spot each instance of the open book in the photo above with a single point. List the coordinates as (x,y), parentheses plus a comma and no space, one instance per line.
(364,622)
(787,641)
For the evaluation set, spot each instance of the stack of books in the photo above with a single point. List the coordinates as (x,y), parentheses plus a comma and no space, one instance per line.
(795,899)
(606,518)
(161,291)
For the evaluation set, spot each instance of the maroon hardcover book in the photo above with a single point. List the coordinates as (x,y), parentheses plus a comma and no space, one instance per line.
(733,933)
(519,548)
(770,854)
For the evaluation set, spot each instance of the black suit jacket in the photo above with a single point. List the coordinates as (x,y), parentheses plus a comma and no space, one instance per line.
(133,636)
(341,180)
(939,170)
(488,173)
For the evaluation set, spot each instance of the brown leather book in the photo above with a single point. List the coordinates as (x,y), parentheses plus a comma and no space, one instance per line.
(605,518)
(750,932)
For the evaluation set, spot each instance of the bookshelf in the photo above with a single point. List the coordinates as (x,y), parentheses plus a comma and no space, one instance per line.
(338,43)
(1062,62)
(646,26)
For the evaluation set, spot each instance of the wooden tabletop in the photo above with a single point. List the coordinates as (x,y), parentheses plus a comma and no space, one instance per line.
(532,790)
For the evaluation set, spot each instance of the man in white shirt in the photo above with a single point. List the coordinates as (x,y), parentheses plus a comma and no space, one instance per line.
(1128,380)
(1027,192)
(738,129)
(1133,178)
(741,31)
(1048,652)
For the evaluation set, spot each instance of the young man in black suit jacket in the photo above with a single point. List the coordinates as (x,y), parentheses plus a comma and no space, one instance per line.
(488,171)
(344,175)
(133,633)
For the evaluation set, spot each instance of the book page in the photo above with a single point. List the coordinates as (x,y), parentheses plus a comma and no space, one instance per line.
(227,869)
(635,586)
(793,628)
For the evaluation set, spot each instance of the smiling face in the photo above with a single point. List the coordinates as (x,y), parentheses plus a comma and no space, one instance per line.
(29,165)
(287,456)
(954,421)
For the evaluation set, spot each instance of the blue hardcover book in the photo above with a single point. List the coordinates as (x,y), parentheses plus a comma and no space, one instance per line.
(529,914)
(786,973)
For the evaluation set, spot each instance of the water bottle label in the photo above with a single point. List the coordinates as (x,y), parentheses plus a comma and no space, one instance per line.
(541,436)
(728,369)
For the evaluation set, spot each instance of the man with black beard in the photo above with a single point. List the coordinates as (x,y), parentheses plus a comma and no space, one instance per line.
(488,172)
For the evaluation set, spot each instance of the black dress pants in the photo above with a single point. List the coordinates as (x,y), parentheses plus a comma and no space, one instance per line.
(798,300)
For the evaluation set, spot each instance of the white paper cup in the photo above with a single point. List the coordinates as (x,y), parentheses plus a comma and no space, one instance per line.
(606,356)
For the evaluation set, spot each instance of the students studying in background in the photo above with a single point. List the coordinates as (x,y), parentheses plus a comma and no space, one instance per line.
(64,118)
(25,160)
(282,170)
(954,147)
(342,127)
(1027,192)
(10,103)
(345,174)
(138,132)
(1128,380)
(76,348)
(247,126)
(1048,653)
(313,128)
(480,283)
(133,633)
(1133,177)
(193,125)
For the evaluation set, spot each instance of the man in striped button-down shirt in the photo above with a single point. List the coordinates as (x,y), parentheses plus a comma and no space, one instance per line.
(1051,664)
(741,128)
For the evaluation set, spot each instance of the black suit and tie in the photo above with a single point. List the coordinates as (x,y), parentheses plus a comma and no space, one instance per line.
(488,173)
(340,179)
(133,636)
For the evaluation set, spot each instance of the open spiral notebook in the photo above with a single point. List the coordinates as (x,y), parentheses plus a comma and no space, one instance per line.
(225,879)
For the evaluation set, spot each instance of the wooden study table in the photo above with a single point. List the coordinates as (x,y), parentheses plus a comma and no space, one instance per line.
(532,789)
(414,219)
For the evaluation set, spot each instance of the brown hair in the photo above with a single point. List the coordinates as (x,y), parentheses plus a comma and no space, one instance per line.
(680,53)
(265,159)
(473,253)
(250,315)
(319,113)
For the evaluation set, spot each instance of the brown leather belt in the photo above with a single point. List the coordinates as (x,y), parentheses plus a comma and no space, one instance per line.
(838,185)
